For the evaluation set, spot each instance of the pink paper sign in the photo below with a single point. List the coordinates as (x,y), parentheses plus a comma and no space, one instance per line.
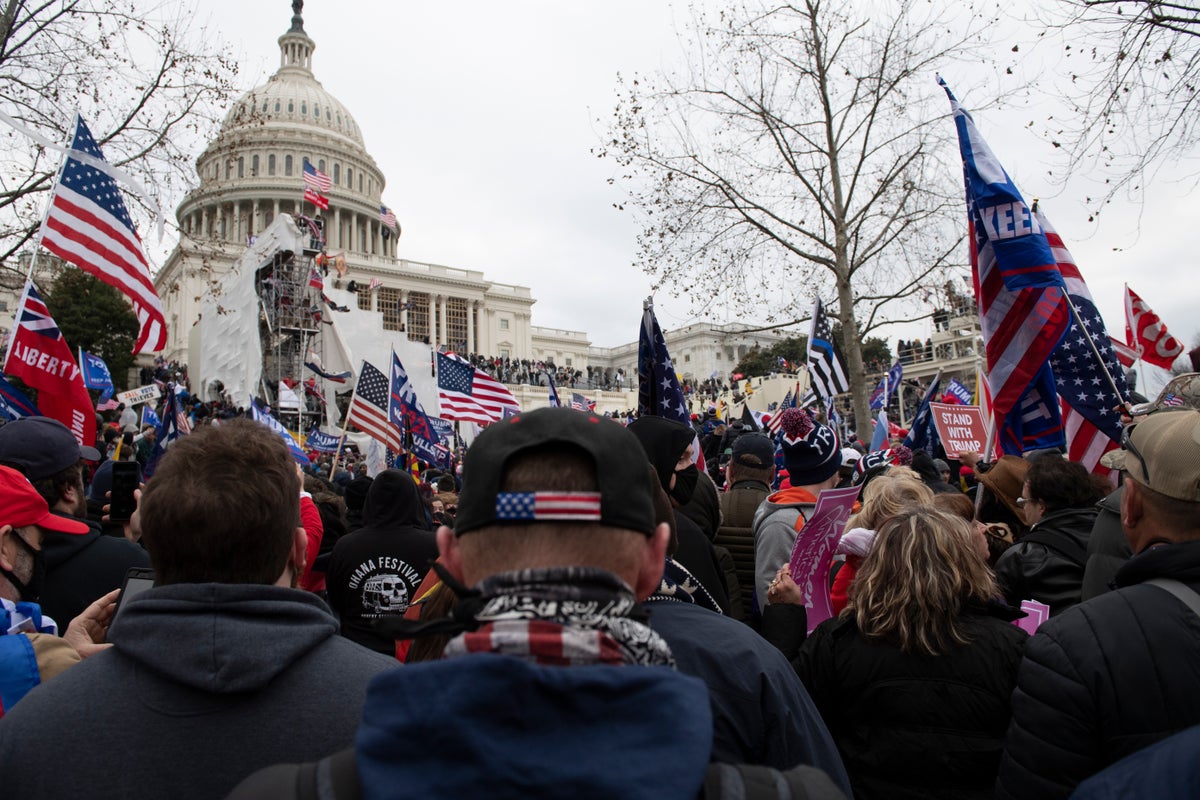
(1035,614)
(814,547)
(961,428)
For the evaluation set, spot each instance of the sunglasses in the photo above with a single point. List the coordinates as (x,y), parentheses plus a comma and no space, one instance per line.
(1128,445)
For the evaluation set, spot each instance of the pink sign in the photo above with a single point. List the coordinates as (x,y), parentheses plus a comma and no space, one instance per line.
(814,548)
(961,428)
(1035,614)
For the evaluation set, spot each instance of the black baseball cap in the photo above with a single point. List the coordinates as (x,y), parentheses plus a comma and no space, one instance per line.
(754,450)
(41,447)
(622,496)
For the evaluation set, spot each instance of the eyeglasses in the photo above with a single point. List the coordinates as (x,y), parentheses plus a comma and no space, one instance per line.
(1128,445)
(1021,502)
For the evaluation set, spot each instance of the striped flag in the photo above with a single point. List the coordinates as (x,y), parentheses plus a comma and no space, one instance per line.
(89,226)
(315,179)
(581,403)
(1127,355)
(578,506)
(14,404)
(369,407)
(1146,333)
(826,369)
(315,280)
(1019,288)
(789,401)
(388,218)
(465,393)
(375,284)
(317,199)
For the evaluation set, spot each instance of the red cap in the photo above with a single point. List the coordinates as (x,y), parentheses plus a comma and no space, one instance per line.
(21,505)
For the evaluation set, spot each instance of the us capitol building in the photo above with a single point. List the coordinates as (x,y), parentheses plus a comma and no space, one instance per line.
(253,171)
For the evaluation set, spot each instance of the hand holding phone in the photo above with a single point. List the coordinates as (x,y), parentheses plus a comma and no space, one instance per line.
(124,483)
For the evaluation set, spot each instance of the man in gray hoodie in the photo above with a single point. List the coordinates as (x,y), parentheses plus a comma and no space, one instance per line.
(220,669)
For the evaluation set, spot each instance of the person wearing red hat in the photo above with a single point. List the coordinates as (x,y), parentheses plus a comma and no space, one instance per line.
(30,650)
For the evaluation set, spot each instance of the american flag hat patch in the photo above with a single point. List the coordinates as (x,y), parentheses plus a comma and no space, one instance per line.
(541,506)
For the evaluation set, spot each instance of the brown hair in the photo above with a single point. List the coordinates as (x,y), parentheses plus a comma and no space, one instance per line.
(912,587)
(223,506)
(888,495)
(503,548)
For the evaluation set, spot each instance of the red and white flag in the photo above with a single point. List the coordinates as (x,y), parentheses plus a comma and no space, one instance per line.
(89,226)
(369,408)
(1125,354)
(469,394)
(1146,333)
(316,198)
(40,356)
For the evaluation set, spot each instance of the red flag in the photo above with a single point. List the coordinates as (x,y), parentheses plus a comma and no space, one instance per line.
(316,198)
(1125,354)
(40,356)
(89,226)
(1146,334)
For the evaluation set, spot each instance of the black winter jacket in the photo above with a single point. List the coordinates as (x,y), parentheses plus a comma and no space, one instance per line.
(915,726)
(82,569)
(1107,678)
(1051,574)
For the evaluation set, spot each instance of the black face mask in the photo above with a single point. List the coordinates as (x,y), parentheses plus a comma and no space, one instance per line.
(685,484)
(32,591)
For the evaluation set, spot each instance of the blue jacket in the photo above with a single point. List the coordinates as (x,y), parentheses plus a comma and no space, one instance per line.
(493,726)
(1170,768)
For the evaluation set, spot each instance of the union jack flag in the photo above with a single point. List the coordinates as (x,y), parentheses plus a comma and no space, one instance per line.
(89,226)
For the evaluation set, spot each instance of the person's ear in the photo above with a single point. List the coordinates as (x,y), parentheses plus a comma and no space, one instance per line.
(1133,511)
(654,557)
(300,550)
(450,553)
(8,548)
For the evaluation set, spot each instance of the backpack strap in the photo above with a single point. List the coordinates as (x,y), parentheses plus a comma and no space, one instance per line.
(1184,593)
(1065,546)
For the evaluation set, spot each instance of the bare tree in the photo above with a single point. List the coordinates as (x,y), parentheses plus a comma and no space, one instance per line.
(149,84)
(797,152)
(1132,88)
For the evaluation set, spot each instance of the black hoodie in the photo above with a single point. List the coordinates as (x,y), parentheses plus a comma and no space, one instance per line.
(374,571)
(80,569)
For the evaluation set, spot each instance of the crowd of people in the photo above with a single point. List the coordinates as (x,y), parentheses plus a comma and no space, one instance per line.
(577,608)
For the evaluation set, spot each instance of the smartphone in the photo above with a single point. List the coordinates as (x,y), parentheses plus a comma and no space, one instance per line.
(124,481)
(137,580)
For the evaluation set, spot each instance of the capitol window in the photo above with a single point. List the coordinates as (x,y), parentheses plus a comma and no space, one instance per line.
(276,106)
(271,164)
(316,110)
(254,165)
(337,169)
(303,106)
(241,167)
(291,106)
(321,165)
(503,324)
(287,165)
(349,177)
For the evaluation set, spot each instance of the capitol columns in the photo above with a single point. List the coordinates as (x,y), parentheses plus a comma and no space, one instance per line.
(404,295)
(335,241)
(441,326)
(471,306)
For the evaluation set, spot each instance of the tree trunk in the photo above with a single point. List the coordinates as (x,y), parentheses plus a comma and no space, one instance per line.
(852,350)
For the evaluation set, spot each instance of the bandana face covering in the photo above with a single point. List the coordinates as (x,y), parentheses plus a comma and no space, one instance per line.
(685,484)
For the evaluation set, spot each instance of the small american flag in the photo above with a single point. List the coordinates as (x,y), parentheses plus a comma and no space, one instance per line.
(375,284)
(1172,401)
(369,407)
(578,506)
(388,217)
(581,403)
(315,179)
(89,226)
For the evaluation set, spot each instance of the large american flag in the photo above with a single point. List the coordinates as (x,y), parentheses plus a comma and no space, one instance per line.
(1018,285)
(826,369)
(1092,422)
(89,226)
(369,407)
(315,179)
(659,393)
(465,393)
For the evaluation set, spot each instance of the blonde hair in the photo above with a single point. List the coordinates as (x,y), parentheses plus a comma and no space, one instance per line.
(922,571)
(887,496)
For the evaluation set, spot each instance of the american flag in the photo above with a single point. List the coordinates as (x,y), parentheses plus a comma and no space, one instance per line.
(173,425)
(1125,354)
(826,369)
(1022,308)
(315,179)
(659,393)
(887,386)
(1092,422)
(388,217)
(375,284)
(581,403)
(315,280)
(578,506)
(553,399)
(369,407)
(89,226)
(789,401)
(465,393)
(1172,401)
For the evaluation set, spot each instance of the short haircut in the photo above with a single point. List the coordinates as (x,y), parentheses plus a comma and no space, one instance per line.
(554,467)
(1182,517)
(51,489)
(223,507)
(741,472)
(1061,484)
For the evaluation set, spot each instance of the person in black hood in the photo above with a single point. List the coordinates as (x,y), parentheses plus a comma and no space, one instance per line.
(355,495)
(670,449)
(374,572)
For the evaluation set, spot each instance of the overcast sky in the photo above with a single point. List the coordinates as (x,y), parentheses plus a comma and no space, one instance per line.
(482,116)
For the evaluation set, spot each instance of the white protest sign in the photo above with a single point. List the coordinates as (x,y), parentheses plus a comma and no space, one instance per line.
(142,394)
(961,428)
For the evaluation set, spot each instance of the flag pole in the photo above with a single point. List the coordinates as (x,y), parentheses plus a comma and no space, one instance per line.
(1112,384)
(342,439)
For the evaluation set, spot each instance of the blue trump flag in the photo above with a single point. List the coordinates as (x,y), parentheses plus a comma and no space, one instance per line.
(96,375)
(887,387)
(260,414)
(922,434)
(322,442)
(554,402)
(407,413)
(174,424)
(13,404)
(150,416)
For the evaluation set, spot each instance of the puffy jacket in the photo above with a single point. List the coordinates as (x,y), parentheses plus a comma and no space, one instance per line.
(1052,571)
(775,533)
(915,726)
(738,505)
(1105,679)
(1108,549)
